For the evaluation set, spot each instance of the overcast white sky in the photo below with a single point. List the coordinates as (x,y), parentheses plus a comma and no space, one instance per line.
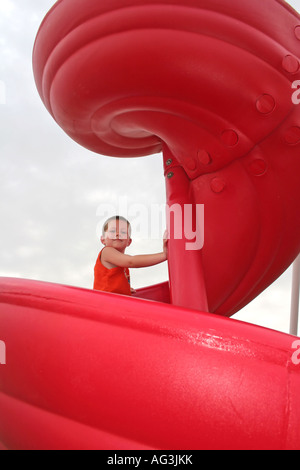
(52,190)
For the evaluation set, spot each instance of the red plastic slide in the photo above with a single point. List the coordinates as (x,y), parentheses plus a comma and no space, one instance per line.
(210,83)
(91,370)
(213,85)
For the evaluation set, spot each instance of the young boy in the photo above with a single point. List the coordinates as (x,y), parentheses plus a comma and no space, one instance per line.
(112,265)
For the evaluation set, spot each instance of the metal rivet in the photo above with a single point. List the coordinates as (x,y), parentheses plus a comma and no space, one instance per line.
(170,175)
(168,162)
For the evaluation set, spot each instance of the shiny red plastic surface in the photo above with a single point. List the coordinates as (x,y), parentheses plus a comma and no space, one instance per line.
(91,370)
(210,84)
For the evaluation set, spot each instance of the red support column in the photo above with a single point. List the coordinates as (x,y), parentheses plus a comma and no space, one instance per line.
(187,283)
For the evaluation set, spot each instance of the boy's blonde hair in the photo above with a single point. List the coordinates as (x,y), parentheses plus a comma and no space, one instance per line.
(116,217)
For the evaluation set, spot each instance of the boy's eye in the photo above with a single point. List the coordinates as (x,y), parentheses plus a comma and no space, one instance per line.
(123,234)
(111,233)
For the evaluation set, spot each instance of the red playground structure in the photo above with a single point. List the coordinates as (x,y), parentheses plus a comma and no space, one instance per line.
(211,85)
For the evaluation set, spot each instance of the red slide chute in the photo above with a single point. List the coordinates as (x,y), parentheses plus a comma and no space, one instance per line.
(211,85)
(92,370)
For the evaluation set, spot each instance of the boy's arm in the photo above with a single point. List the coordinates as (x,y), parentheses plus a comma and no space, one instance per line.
(113,256)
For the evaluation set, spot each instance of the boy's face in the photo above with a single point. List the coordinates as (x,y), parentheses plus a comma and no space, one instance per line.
(117,235)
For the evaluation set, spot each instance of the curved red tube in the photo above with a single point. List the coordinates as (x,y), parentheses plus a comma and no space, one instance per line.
(80,375)
(212,82)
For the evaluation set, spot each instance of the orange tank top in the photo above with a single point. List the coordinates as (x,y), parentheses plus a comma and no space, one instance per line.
(115,280)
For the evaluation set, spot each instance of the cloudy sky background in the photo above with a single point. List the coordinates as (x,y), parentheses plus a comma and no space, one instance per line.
(54,194)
